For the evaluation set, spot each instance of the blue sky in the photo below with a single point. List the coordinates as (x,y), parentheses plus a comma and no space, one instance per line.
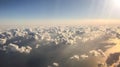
(55,9)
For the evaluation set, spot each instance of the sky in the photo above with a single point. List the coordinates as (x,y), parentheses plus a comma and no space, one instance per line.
(21,11)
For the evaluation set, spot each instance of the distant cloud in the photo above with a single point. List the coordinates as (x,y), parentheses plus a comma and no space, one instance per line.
(55,64)
(75,57)
(15,48)
(2,41)
(75,43)
(84,56)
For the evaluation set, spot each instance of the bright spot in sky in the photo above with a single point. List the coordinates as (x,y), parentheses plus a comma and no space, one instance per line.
(116,3)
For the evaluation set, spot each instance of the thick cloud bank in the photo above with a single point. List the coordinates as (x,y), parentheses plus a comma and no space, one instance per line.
(60,46)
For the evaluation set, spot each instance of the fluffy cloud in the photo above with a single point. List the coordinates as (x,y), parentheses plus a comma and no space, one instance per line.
(75,57)
(84,56)
(94,53)
(2,41)
(55,64)
(80,41)
(15,48)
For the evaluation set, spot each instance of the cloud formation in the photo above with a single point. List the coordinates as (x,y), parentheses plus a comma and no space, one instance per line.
(63,44)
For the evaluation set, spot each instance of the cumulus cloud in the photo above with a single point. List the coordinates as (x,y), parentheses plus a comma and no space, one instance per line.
(84,56)
(75,57)
(15,48)
(55,64)
(102,53)
(2,41)
(60,41)
(37,46)
(94,53)
(97,53)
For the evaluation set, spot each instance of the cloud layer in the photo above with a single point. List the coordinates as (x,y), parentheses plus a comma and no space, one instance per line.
(59,46)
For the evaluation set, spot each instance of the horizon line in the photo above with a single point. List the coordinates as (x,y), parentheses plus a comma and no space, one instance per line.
(60,21)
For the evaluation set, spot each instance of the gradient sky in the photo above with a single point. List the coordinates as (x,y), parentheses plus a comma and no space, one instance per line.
(57,9)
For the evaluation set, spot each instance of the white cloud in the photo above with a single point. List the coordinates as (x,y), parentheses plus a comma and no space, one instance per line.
(94,53)
(75,57)
(15,48)
(37,46)
(55,64)
(73,35)
(2,41)
(84,56)
(102,53)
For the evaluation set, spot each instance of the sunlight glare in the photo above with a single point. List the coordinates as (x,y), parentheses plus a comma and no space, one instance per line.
(116,3)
